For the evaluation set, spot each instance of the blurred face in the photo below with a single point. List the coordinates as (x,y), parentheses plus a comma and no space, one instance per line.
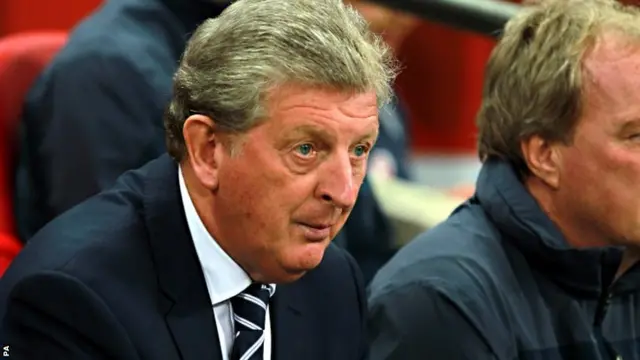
(294,180)
(600,179)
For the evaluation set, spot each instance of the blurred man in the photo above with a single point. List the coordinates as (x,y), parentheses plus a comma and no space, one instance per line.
(222,251)
(95,112)
(390,157)
(540,262)
(394,26)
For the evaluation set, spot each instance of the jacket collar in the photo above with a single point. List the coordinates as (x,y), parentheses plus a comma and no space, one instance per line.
(184,297)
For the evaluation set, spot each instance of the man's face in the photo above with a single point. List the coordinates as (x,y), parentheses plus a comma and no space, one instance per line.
(294,180)
(601,169)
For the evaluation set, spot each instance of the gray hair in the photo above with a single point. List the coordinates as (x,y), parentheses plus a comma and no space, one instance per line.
(233,61)
(534,77)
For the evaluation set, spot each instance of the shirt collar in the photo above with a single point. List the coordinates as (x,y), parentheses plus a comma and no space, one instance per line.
(224,277)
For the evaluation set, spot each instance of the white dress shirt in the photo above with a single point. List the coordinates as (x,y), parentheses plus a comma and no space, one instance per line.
(224,277)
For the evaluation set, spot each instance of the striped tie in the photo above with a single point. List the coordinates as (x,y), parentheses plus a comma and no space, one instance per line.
(249,313)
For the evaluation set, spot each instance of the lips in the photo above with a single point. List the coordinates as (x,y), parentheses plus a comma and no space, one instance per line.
(316,231)
(318,226)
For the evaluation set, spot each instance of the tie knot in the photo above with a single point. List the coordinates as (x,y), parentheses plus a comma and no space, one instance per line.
(261,291)
(250,306)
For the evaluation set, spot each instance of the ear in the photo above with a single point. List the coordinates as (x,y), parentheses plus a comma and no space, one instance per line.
(204,149)
(543,159)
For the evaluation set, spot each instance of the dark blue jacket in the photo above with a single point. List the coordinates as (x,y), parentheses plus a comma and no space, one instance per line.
(118,277)
(498,281)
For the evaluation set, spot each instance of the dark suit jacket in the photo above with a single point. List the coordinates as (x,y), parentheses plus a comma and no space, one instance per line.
(118,277)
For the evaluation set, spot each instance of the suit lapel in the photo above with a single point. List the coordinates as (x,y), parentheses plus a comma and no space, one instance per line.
(290,327)
(184,297)
(194,331)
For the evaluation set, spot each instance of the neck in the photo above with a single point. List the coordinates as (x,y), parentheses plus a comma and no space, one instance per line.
(200,196)
(204,202)
(578,234)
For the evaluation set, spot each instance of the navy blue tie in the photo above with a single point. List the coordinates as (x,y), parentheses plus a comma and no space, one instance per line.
(249,314)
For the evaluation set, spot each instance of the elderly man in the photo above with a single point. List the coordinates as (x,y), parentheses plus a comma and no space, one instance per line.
(540,263)
(222,249)
(117,68)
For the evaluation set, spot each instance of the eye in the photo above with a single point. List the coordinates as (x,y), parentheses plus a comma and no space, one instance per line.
(305,149)
(360,150)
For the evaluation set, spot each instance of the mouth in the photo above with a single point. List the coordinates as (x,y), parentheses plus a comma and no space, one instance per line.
(315,232)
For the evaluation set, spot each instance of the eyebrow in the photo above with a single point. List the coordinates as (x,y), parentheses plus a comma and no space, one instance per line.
(371,136)
(301,132)
(310,130)
(320,133)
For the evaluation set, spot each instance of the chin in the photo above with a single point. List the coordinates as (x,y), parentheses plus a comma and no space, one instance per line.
(304,257)
(290,277)
(282,276)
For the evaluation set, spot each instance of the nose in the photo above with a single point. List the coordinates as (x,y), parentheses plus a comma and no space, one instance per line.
(337,184)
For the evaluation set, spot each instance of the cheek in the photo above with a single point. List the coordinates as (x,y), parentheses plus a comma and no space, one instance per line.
(259,205)
(243,195)
(619,170)
(585,163)
(616,195)
(607,179)
(268,201)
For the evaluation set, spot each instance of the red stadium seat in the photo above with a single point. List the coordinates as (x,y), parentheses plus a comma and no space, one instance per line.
(22,58)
